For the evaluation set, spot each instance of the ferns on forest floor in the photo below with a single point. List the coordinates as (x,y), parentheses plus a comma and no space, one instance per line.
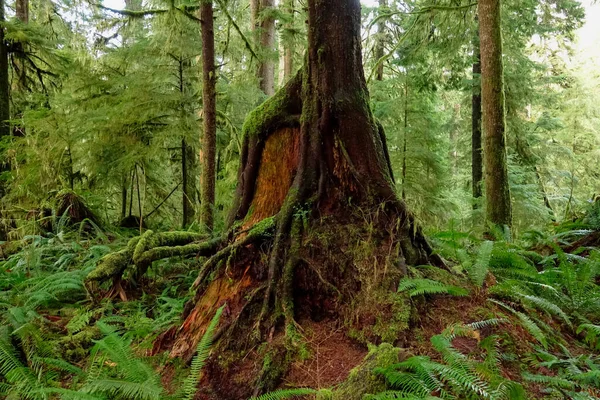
(458,375)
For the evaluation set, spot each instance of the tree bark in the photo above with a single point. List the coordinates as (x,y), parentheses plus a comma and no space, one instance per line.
(498,203)
(4,80)
(476,149)
(312,158)
(380,45)
(266,66)
(22,14)
(209,106)
(288,40)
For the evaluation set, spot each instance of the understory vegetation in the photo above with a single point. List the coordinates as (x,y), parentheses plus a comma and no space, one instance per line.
(309,199)
(521,319)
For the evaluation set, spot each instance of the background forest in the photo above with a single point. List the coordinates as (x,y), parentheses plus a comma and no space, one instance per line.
(111,105)
(103,121)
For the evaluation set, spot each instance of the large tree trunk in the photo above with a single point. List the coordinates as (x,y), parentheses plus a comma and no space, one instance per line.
(476,150)
(498,203)
(4,81)
(314,180)
(209,107)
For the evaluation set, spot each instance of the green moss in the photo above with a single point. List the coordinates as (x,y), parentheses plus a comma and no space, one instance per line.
(262,228)
(362,379)
(76,347)
(110,265)
(268,115)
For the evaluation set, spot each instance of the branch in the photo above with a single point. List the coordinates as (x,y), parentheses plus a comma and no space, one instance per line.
(162,202)
(237,28)
(423,10)
(131,13)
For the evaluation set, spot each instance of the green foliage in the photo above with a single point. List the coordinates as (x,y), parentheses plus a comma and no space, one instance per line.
(202,353)
(457,376)
(420,287)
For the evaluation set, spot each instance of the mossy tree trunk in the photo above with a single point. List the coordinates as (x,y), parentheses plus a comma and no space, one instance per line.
(209,107)
(266,35)
(498,203)
(4,79)
(476,149)
(313,157)
(22,14)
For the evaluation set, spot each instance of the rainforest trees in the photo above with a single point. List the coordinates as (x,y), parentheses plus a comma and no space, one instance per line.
(313,157)
(314,180)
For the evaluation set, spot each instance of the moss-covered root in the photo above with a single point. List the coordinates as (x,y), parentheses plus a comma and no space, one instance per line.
(149,247)
(114,264)
(363,380)
(261,231)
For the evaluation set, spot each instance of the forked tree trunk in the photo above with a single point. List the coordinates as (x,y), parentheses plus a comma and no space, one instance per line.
(313,158)
(498,203)
(209,106)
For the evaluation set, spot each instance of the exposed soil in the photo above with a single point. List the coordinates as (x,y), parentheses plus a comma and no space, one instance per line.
(331,357)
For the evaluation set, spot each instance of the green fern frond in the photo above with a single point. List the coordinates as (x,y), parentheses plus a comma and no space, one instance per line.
(286,394)
(527,322)
(420,287)
(202,353)
(479,270)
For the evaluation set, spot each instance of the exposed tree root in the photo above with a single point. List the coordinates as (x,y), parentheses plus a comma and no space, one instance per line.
(141,251)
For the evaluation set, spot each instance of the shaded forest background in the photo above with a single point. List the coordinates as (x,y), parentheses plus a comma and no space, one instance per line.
(162,238)
(111,107)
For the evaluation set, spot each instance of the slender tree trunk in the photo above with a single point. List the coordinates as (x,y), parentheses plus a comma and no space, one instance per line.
(405,140)
(266,66)
(209,144)
(4,80)
(22,14)
(187,160)
(498,203)
(380,45)
(289,46)
(124,198)
(476,149)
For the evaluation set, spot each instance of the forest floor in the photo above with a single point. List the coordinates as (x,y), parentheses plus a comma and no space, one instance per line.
(512,320)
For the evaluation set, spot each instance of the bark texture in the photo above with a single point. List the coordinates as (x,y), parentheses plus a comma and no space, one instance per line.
(380,45)
(22,14)
(4,81)
(498,203)
(209,106)
(266,66)
(289,47)
(314,180)
(476,149)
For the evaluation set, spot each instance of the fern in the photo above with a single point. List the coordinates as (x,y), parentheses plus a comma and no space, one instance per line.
(286,394)
(420,287)
(479,270)
(202,353)
(526,322)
